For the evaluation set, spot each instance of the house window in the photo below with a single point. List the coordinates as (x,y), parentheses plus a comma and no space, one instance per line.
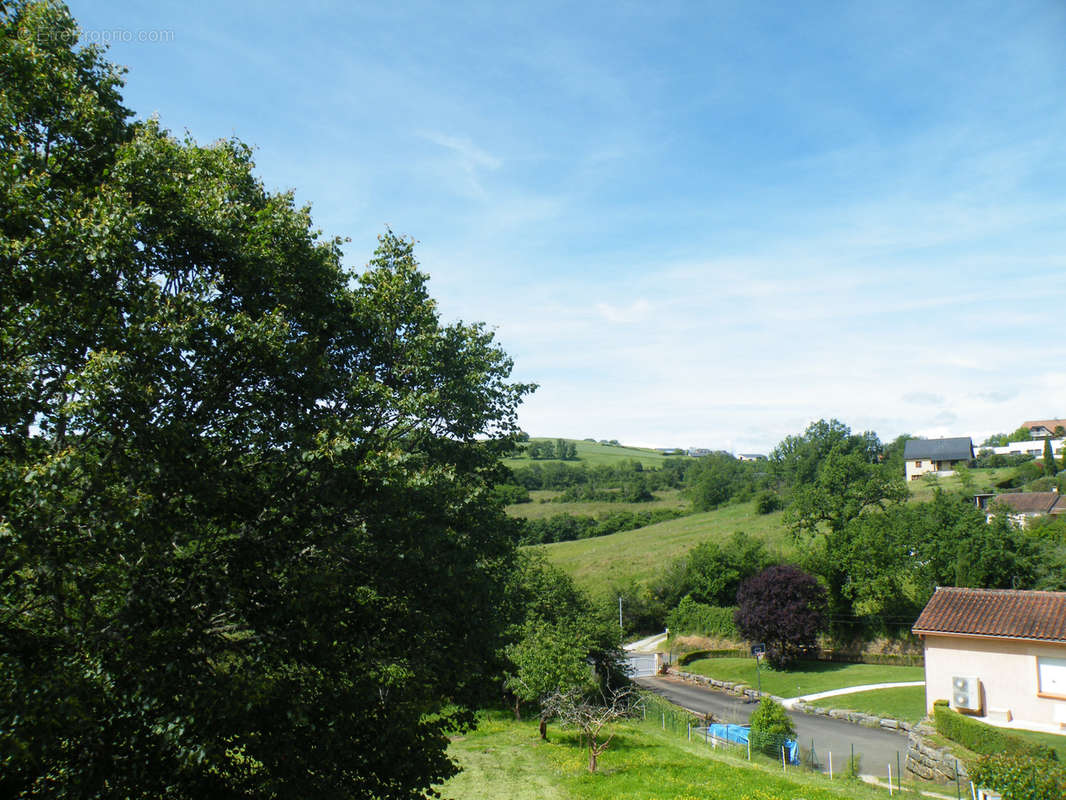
(917,464)
(1051,676)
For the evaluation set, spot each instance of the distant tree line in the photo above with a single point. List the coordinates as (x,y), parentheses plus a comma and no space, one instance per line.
(559,449)
(567,527)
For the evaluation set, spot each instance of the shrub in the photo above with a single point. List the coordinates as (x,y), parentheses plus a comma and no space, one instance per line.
(700,618)
(767,502)
(510,493)
(988,459)
(1020,777)
(985,739)
(770,726)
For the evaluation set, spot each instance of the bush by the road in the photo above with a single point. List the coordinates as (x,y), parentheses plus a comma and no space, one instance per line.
(770,726)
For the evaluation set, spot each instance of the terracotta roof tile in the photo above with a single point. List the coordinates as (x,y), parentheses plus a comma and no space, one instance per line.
(1050,424)
(1028,502)
(995,613)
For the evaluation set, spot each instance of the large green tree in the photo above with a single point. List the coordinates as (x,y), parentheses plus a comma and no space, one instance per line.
(847,486)
(797,460)
(246,548)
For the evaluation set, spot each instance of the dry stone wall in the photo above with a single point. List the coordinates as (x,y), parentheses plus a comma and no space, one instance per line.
(932,763)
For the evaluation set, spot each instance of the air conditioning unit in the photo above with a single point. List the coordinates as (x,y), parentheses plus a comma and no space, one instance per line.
(966,692)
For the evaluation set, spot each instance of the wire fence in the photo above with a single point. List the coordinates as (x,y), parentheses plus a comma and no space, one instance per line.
(807,754)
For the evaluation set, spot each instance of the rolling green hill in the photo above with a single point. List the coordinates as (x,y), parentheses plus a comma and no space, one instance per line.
(593,453)
(597,564)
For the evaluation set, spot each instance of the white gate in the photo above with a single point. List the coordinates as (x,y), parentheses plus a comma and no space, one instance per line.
(642,665)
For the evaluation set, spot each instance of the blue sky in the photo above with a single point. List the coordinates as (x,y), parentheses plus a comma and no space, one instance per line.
(693,224)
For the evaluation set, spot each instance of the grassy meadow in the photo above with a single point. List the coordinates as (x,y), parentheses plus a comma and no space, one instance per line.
(984,481)
(593,453)
(503,758)
(598,563)
(540,507)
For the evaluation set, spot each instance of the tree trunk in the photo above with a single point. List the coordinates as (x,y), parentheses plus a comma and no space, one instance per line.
(592,759)
(544,729)
(517,710)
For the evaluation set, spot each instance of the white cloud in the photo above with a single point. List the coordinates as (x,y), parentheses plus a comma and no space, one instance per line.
(635,312)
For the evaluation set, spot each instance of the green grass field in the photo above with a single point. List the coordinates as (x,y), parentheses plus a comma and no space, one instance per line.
(906,703)
(984,480)
(667,498)
(506,759)
(809,677)
(593,453)
(599,563)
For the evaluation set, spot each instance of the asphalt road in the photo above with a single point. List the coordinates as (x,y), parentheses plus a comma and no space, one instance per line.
(878,746)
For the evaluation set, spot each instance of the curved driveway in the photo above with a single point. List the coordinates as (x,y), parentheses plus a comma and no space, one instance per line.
(878,746)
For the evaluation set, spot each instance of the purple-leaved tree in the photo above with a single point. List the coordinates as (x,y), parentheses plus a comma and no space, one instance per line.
(783,607)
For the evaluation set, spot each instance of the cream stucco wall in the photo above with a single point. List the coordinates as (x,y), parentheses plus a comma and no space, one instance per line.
(912,470)
(1007,671)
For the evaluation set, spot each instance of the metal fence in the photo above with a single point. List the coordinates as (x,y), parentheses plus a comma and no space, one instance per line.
(654,710)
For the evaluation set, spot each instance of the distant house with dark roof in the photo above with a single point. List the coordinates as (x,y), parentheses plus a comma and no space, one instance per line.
(921,456)
(1045,428)
(999,654)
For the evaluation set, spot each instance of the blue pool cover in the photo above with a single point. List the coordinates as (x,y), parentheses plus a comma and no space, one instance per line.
(739,734)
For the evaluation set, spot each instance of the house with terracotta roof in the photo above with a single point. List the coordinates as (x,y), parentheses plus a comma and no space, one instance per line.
(997,654)
(939,456)
(1022,507)
(1045,428)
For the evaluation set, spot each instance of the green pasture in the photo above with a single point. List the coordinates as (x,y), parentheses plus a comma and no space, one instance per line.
(538,509)
(984,482)
(906,703)
(809,677)
(593,453)
(506,759)
(597,564)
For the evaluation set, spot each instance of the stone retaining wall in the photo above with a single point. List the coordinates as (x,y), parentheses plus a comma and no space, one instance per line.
(931,763)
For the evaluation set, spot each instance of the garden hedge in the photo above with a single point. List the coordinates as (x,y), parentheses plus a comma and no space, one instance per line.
(985,739)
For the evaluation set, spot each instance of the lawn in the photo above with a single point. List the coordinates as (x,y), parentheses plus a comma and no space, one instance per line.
(984,480)
(598,564)
(667,498)
(906,703)
(809,677)
(593,453)
(506,759)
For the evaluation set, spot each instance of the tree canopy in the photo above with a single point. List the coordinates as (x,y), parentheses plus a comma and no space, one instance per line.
(784,608)
(246,542)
